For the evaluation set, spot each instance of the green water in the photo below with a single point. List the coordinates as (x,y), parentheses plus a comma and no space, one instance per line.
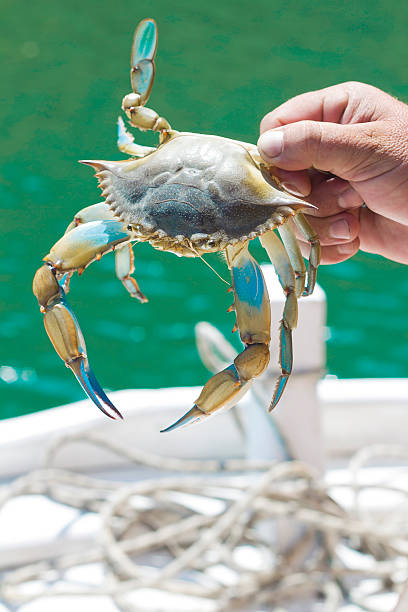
(221,66)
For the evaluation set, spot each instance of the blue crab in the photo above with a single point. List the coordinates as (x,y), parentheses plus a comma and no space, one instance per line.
(193,194)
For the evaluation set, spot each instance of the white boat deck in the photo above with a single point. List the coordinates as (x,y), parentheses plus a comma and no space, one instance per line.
(35,529)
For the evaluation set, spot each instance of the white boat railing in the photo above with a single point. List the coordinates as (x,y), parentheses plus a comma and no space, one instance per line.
(318,420)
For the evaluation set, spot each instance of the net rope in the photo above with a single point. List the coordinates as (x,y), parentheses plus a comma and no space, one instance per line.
(211,530)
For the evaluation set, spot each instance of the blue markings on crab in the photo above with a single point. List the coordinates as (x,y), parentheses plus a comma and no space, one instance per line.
(233,369)
(286,362)
(101,233)
(145,42)
(124,137)
(280,387)
(249,283)
(194,415)
(286,354)
(80,246)
(92,388)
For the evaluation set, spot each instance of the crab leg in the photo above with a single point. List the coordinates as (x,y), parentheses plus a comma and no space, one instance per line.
(142,78)
(251,303)
(315,250)
(124,259)
(142,58)
(295,256)
(75,251)
(284,270)
(124,267)
(95,212)
(126,142)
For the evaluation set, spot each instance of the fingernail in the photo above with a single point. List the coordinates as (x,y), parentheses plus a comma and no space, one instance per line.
(270,144)
(294,190)
(349,199)
(340,229)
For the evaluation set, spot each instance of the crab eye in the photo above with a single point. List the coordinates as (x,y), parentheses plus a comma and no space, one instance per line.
(129,227)
(211,243)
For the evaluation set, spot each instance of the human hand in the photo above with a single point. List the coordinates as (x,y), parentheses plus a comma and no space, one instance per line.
(359,134)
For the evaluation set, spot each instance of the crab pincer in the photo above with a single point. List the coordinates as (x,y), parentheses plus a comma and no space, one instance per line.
(124,259)
(251,303)
(74,251)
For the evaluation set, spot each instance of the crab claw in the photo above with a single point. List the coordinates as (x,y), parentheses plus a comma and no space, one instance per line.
(65,334)
(251,303)
(220,393)
(92,388)
(194,415)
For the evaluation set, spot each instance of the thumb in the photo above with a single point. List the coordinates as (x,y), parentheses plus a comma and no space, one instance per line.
(348,151)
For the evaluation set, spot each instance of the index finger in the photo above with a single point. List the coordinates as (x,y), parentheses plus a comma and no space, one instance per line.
(328,104)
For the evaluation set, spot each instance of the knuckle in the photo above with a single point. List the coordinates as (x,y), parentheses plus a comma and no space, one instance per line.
(354,85)
(312,138)
(267,122)
(312,131)
(358,89)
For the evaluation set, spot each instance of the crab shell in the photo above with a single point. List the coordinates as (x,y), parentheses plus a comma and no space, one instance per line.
(195,194)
